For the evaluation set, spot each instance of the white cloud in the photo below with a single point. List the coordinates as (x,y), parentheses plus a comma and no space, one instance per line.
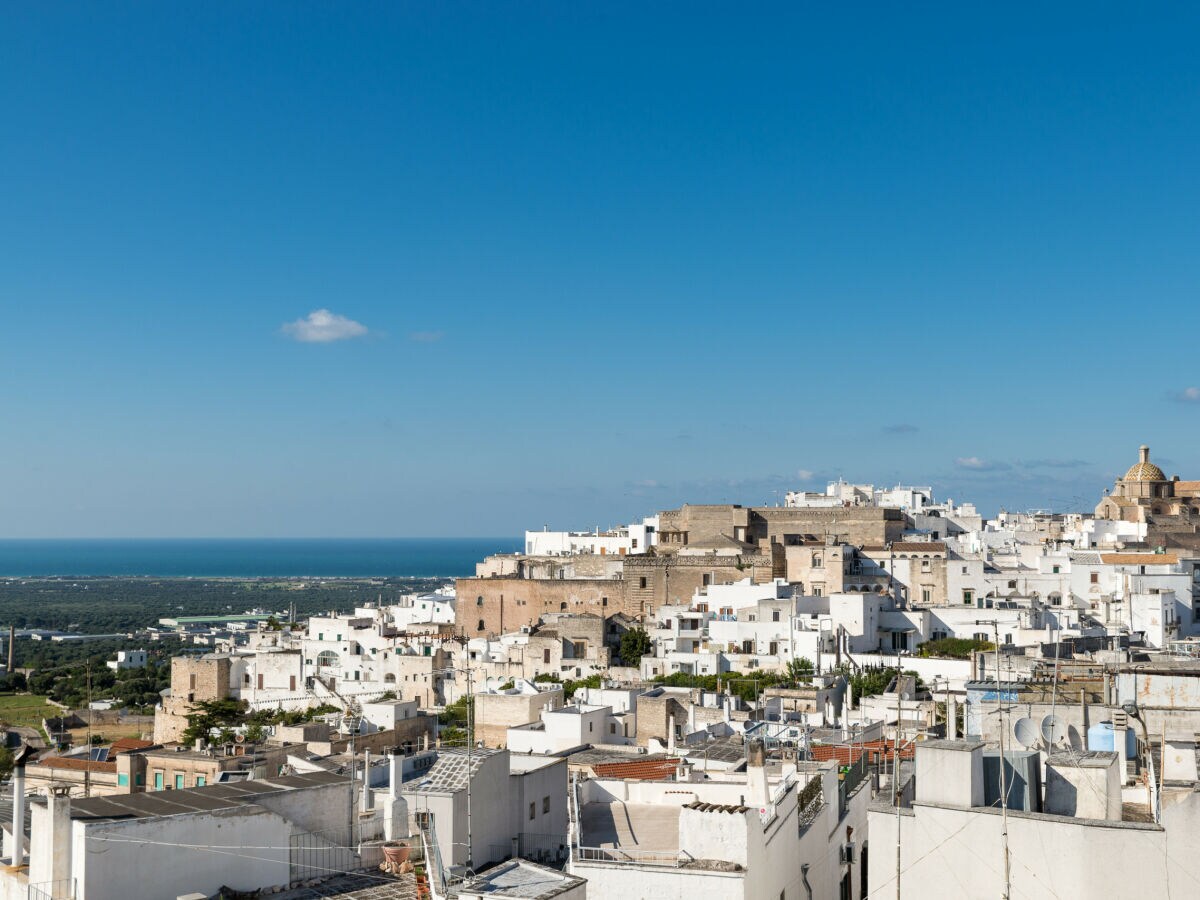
(805,474)
(980,465)
(323,327)
(1189,395)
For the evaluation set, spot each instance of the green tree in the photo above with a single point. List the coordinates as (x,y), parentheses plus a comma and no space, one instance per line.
(635,644)
(800,669)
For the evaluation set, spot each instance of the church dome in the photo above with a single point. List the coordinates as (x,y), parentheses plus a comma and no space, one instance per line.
(1143,469)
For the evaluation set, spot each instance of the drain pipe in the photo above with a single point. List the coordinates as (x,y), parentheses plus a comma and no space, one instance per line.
(804,876)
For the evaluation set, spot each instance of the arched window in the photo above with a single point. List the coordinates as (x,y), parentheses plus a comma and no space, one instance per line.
(479,601)
(562,607)
(389,678)
(479,627)
(327,659)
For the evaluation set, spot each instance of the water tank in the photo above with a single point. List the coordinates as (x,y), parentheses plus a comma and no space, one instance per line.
(1102,736)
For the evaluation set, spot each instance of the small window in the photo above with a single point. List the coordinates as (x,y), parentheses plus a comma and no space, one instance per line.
(479,627)
(774,615)
(546,656)
(532,811)
(642,581)
(546,804)
(479,601)
(122,780)
(1095,578)
(1055,570)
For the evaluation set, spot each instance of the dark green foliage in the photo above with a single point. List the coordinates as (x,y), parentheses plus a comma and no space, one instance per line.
(635,644)
(105,605)
(570,686)
(953,648)
(136,689)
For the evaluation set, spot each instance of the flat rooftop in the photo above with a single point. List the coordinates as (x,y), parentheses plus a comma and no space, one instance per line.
(630,826)
(518,878)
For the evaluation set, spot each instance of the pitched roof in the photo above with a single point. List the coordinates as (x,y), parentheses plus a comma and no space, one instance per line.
(1139,559)
(128,745)
(74,762)
(918,546)
(641,769)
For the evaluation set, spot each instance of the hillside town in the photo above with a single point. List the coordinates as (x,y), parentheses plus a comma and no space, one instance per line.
(862,692)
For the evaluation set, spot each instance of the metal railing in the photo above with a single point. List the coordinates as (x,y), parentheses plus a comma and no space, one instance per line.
(63,889)
(671,858)
(852,777)
(322,854)
(545,849)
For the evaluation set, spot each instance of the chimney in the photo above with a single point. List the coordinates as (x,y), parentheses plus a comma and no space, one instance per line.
(365,796)
(50,845)
(395,811)
(756,774)
(670,734)
(1144,453)
(16,850)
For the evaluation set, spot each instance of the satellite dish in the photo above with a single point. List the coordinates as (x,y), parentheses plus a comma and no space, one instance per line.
(1074,739)
(1026,733)
(1054,730)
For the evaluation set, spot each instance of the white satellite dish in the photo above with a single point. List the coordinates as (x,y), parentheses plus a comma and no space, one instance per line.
(1054,731)
(1074,739)
(1026,733)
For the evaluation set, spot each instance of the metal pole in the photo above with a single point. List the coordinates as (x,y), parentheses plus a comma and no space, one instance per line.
(470,742)
(1003,778)
(896,780)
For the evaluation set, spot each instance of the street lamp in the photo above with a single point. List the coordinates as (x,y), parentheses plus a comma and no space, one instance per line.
(1131,710)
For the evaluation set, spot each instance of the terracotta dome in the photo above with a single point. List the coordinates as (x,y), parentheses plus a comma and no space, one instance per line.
(1143,469)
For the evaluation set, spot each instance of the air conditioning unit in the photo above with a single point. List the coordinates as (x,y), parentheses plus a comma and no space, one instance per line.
(846,854)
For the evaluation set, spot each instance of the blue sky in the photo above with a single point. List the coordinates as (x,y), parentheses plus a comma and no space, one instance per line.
(608,258)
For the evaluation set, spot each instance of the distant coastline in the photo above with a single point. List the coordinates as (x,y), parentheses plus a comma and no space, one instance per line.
(248,557)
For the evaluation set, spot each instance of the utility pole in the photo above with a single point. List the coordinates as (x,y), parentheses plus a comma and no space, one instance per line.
(470,743)
(896,779)
(995,623)
(87,773)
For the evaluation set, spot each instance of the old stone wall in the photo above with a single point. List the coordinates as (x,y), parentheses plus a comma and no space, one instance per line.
(493,606)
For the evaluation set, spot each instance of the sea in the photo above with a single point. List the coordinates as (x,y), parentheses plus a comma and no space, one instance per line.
(250,557)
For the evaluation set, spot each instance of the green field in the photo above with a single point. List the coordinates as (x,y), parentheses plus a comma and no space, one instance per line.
(26,709)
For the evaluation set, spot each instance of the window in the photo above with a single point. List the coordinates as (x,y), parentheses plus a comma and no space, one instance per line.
(707,580)
(532,811)
(1012,585)
(546,656)
(479,627)
(980,636)
(590,724)
(642,581)
(201,781)
(562,607)
(1095,579)
(1055,569)
(612,727)
(604,601)
(926,594)
(774,615)
(968,597)
(817,563)
(179,782)
(546,804)
(158,781)
(122,780)
(327,659)
(139,780)
(191,682)
(925,565)
(964,570)
(260,681)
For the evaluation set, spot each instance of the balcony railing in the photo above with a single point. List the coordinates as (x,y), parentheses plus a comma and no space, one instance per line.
(670,858)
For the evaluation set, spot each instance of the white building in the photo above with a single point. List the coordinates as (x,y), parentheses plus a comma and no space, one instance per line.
(1076,840)
(128,659)
(754,834)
